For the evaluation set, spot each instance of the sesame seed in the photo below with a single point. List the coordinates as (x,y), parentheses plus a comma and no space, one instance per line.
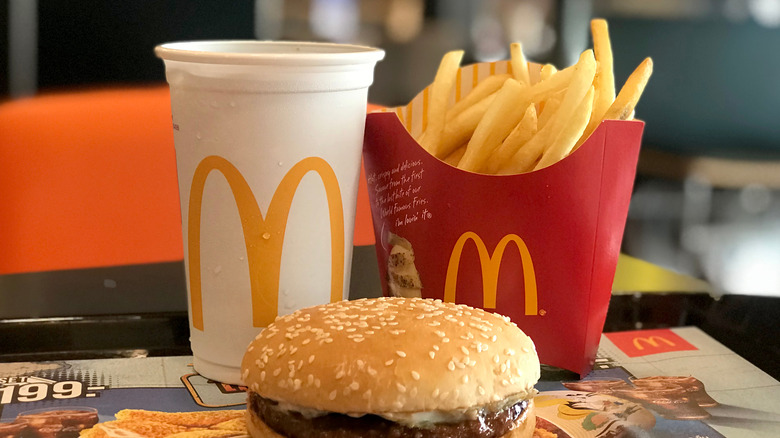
(436,347)
(277,372)
(317,383)
(481,390)
(332,395)
(445,340)
(509,352)
(451,366)
(340,374)
(296,384)
(415,375)
(464,350)
(262,376)
(432,354)
(496,359)
(310,379)
(389,362)
(367,395)
(401,388)
(526,350)
(371,371)
(400,353)
(464,379)
(311,358)
(354,386)
(305,341)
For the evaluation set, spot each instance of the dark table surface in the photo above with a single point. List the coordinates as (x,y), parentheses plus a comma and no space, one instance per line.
(745,324)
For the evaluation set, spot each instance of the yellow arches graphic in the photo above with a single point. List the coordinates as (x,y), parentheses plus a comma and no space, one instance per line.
(264,238)
(491,264)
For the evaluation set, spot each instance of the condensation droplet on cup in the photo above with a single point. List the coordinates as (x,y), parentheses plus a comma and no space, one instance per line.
(280,164)
(198,135)
(241,258)
(266,235)
(217,270)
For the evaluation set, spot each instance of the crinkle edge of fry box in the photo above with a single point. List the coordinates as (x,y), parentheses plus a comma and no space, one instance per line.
(540,247)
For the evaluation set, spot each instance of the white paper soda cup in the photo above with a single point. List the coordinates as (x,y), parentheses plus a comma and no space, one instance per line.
(268,139)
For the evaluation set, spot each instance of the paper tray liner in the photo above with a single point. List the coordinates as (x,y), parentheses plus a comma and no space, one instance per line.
(548,241)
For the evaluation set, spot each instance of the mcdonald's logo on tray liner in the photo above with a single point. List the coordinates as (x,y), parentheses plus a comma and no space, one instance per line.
(491,265)
(264,238)
(647,342)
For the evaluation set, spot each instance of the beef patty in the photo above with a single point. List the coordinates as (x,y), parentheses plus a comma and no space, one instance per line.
(333,425)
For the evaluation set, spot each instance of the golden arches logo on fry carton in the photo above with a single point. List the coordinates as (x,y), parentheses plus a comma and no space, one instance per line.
(509,155)
(263,247)
(491,265)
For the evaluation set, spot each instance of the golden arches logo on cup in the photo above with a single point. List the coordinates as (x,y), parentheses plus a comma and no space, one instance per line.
(653,341)
(263,237)
(491,265)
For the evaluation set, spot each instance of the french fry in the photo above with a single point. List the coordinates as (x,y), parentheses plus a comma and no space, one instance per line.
(567,138)
(442,87)
(519,64)
(485,88)
(500,118)
(629,95)
(458,131)
(547,71)
(548,109)
(605,76)
(454,158)
(583,72)
(516,139)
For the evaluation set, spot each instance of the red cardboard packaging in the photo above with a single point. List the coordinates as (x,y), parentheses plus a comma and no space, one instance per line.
(540,248)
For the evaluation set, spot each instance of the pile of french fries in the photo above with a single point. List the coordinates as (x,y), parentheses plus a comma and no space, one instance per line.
(507,125)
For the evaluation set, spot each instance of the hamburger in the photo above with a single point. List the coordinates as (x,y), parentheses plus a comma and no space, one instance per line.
(391,367)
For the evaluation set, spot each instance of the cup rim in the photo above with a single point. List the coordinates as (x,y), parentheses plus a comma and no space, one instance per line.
(256,52)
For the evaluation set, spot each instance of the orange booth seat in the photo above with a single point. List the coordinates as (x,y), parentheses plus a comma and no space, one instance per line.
(88,179)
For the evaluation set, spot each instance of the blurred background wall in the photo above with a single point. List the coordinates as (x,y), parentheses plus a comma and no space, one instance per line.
(706,200)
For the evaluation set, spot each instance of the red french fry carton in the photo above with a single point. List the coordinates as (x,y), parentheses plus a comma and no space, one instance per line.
(540,247)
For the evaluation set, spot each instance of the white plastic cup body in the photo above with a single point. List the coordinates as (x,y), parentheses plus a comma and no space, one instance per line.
(248,115)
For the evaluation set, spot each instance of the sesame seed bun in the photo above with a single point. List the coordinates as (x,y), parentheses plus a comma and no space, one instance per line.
(391,356)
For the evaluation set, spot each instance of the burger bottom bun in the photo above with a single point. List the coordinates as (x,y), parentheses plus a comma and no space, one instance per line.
(258,429)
